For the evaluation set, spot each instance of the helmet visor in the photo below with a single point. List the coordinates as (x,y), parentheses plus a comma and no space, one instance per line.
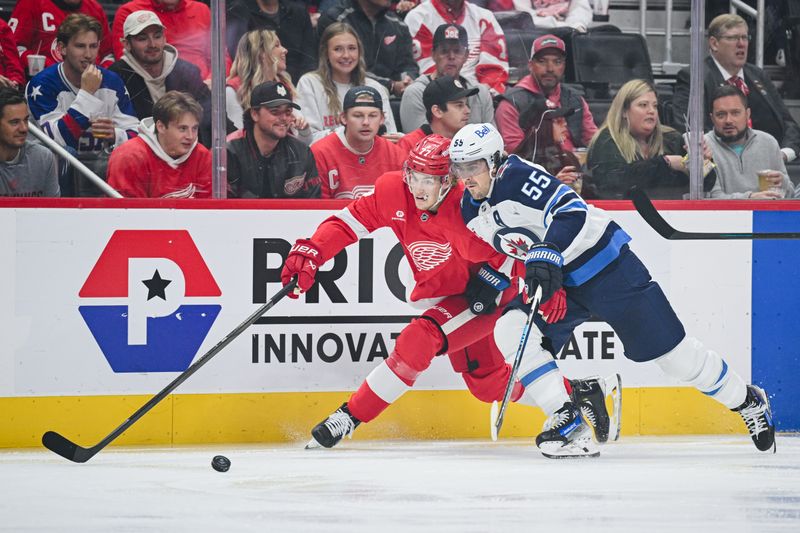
(419,181)
(468,169)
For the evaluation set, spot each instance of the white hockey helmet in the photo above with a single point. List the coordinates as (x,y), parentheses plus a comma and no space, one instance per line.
(477,141)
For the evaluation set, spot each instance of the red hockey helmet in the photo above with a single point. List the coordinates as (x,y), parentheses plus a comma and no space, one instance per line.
(430,156)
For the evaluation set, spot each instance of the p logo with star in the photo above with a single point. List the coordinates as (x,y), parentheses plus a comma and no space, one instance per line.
(150,300)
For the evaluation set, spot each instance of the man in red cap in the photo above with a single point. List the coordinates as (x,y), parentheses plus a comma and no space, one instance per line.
(547,64)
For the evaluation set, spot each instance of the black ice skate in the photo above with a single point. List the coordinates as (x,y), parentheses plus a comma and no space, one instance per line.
(590,396)
(330,431)
(568,435)
(757,415)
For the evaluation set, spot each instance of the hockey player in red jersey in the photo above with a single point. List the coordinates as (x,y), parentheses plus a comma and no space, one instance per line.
(35,24)
(454,274)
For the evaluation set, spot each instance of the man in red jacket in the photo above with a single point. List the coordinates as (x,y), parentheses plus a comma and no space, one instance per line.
(35,24)
(11,72)
(165,160)
(187,25)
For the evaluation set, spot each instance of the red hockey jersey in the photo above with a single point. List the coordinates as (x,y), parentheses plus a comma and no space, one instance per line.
(35,24)
(441,251)
(345,174)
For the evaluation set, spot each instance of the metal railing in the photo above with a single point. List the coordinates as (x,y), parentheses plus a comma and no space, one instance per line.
(758,14)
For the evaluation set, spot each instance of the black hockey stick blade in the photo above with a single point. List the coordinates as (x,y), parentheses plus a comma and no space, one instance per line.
(67,449)
(654,219)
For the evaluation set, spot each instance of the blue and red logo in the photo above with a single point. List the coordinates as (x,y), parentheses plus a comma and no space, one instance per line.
(153,300)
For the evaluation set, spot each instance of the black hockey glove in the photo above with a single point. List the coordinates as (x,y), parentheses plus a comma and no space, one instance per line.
(483,289)
(543,264)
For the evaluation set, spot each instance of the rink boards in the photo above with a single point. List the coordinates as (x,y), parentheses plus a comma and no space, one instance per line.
(103,306)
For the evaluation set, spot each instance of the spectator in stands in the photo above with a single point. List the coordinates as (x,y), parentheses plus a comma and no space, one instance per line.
(150,67)
(450,48)
(387,43)
(259,58)
(634,148)
(547,64)
(26,168)
(341,67)
(289,19)
(741,153)
(12,73)
(487,61)
(576,14)
(36,22)
(446,110)
(264,161)
(188,25)
(350,160)
(165,160)
(728,42)
(83,107)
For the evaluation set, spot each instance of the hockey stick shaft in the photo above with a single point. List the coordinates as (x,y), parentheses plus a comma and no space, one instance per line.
(523,342)
(69,450)
(654,219)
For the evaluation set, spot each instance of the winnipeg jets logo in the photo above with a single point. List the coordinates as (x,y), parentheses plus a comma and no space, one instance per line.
(427,255)
(514,242)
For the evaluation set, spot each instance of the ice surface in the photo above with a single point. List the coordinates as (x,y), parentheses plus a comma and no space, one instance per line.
(645,484)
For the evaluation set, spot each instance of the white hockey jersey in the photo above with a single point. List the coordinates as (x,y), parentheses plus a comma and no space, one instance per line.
(64,111)
(527,205)
(487,61)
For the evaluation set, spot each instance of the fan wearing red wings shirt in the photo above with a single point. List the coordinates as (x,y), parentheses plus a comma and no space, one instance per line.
(450,267)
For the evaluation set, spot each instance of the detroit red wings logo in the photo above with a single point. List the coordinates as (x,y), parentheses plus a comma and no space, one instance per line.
(427,255)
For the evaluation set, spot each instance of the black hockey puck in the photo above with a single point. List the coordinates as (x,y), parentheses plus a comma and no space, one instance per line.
(220,463)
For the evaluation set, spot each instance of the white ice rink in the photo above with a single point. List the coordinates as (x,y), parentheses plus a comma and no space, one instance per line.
(676,484)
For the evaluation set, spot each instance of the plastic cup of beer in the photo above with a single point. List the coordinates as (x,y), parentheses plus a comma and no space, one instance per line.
(581,154)
(764,183)
(35,64)
(100,134)
(577,185)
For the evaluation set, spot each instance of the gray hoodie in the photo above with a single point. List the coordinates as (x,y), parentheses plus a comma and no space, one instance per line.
(31,173)
(147,132)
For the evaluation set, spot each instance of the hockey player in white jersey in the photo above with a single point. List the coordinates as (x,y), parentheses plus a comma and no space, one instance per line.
(524,212)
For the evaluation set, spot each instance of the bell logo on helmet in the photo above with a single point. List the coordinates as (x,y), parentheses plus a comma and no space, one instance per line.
(483,132)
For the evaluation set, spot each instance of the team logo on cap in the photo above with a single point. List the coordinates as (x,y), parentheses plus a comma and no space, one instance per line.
(389,40)
(451,32)
(458,84)
(281,90)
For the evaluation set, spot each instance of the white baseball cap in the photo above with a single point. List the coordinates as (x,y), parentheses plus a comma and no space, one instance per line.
(138,21)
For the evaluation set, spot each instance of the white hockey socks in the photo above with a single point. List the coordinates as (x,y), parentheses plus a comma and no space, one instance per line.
(538,371)
(696,365)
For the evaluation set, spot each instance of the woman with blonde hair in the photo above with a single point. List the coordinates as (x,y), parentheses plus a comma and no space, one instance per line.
(634,148)
(260,57)
(341,67)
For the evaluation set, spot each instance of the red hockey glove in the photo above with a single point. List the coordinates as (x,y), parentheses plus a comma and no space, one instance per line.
(302,261)
(555,308)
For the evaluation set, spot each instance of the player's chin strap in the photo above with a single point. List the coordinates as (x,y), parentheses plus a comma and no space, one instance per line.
(442,194)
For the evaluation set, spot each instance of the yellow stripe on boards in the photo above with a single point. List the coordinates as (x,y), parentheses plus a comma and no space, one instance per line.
(289,417)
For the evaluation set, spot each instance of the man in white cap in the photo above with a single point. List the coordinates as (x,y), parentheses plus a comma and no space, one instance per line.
(150,67)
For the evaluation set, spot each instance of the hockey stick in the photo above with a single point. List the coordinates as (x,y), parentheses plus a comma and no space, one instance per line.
(69,450)
(523,341)
(651,215)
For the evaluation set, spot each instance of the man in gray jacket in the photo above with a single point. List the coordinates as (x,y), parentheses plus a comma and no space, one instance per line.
(26,168)
(450,49)
(742,153)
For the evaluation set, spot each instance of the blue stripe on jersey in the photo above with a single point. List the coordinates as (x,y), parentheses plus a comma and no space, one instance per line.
(568,228)
(599,260)
(536,373)
(561,191)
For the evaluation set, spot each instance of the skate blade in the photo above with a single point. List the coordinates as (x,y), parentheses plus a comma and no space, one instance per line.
(313,444)
(493,413)
(614,389)
(573,450)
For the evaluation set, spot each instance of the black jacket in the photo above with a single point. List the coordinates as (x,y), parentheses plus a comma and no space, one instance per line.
(387,43)
(184,77)
(288,172)
(768,111)
(293,27)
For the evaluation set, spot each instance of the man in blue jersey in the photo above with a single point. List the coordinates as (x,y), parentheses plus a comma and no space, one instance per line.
(83,107)
(526,213)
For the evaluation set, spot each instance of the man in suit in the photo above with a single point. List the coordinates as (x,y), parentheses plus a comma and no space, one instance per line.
(728,41)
